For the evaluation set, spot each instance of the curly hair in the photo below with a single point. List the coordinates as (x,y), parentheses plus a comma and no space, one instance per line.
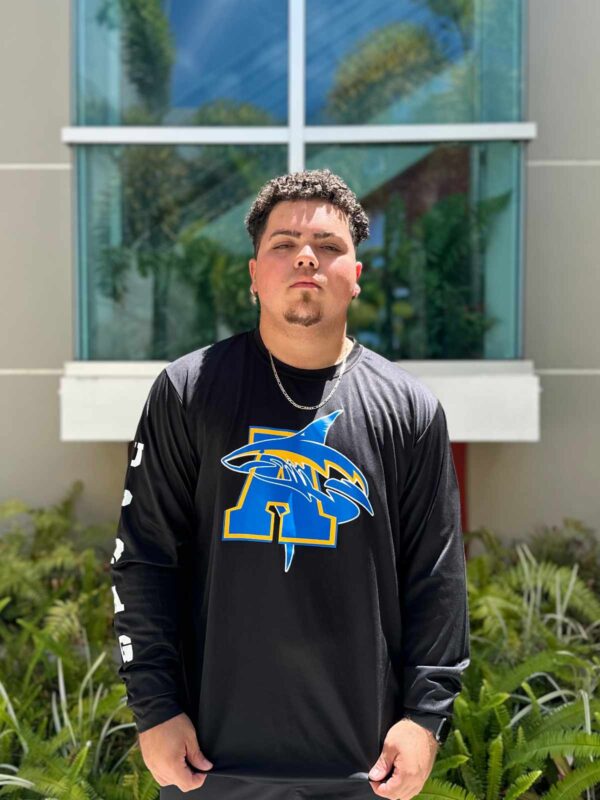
(314,184)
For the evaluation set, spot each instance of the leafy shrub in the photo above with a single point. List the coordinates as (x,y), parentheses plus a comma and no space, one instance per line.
(65,731)
(526,724)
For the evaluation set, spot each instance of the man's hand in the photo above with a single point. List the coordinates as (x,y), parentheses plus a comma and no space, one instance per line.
(410,750)
(165,748)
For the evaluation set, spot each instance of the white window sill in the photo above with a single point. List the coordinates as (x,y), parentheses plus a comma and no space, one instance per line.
(485,401)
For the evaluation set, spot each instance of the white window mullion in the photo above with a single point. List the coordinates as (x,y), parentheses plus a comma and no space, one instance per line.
(399,134)
(139,134)
(296,134)
(296,83)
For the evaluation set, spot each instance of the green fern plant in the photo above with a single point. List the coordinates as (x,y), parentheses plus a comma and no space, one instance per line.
(65,730)
(81,746)
(498,750)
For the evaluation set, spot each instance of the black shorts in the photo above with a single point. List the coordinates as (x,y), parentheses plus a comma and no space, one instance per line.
(218,787)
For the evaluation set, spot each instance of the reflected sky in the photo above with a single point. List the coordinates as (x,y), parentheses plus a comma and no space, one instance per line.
(367,62)
(238,49)
(229,49)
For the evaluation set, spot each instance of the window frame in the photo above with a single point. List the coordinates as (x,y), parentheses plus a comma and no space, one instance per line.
(296,135)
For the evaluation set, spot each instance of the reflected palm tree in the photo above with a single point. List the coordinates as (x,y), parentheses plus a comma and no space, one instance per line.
(170,194)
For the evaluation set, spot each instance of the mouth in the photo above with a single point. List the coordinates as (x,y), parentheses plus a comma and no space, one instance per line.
(304,284)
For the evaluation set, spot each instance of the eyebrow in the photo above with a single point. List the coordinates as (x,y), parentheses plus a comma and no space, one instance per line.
(296,234)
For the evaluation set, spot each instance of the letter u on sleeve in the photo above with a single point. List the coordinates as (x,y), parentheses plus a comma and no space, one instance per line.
(155,523)
(432,578)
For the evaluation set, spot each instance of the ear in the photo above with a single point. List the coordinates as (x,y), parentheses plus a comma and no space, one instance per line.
(252,268)
(356,290)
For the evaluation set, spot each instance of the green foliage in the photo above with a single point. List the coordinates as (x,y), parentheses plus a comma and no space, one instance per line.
(148,49)
(65,729)
(567,545)
(526,723)
(431,260)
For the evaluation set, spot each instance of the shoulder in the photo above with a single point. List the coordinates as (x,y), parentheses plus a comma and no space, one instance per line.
(185,372)
(408,393)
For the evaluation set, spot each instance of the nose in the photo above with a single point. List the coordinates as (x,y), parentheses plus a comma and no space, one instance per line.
(306,258)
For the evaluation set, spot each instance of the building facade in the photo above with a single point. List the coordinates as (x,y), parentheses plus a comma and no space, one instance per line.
(128,160)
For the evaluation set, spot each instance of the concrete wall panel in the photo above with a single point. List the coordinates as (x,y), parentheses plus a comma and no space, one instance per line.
(562,281)
(38,468)
(563,85)
(515,487)
(36,265)
(35,79)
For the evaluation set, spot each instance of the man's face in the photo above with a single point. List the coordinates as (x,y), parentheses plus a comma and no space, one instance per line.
(305,270)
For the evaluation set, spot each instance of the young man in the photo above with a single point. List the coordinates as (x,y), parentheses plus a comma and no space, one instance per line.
(289,570)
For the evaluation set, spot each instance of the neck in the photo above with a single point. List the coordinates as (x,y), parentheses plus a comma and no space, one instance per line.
(315,347)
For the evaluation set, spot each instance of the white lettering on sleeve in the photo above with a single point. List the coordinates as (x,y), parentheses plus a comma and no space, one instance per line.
(118,604)
(137,460)
(119,547)
(126,648)
(127,497)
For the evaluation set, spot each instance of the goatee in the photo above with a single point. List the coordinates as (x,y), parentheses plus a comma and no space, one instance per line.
(304,313)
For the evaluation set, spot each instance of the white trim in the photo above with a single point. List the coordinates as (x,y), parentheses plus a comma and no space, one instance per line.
(33,166)
(118,369)
(475,132)
(575,162)
(115,134)
(485,366)
(313,134)
(30,371)
(567,371)
(296,82)
(113,369)
(484,401)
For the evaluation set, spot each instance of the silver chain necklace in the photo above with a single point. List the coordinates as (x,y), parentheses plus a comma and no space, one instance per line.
(322,403)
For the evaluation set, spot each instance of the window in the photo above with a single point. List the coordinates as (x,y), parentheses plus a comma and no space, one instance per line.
(184,109)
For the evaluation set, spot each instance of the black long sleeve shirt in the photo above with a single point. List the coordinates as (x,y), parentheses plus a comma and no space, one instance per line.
(293,580)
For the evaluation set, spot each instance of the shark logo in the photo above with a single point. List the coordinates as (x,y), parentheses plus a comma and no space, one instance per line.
(295,479)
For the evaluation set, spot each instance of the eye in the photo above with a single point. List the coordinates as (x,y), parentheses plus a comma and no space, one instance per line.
(331,247)
(279,246)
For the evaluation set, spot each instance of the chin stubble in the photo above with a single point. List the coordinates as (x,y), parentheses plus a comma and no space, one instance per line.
(304,312)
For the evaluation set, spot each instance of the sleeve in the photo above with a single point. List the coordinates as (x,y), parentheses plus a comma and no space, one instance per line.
(155,522)
(432,578)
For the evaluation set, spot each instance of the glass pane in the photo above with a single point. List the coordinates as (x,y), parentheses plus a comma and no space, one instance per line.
(441,266)
(413,61)
(189,62)
(163,248)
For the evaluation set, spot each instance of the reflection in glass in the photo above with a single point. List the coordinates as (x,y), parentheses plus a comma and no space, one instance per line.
(189,62)
(440,276)
(413,61)
(163,248)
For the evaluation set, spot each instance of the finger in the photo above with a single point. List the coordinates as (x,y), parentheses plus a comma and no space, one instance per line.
(195,756)
(394,787)
(384,764)
(183,777)
(404,792)
(381,768)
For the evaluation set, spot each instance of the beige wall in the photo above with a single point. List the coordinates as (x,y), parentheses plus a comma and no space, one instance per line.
(516,487)
(512,487)
(36,269)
